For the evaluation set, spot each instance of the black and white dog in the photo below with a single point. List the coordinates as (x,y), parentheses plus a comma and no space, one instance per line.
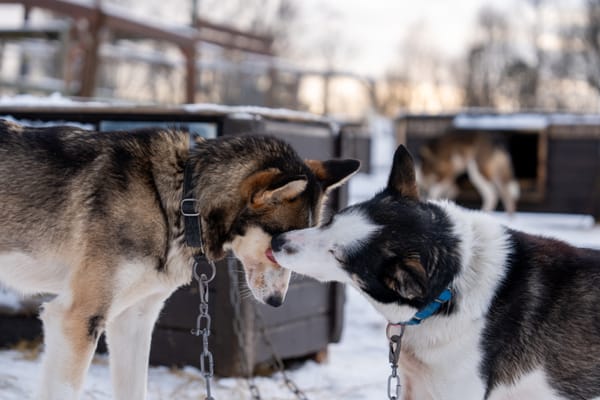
(523,319)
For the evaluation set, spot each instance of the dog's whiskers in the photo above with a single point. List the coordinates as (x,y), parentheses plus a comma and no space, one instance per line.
(246,293)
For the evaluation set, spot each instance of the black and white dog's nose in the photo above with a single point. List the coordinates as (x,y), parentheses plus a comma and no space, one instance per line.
(277,242)
(280,244)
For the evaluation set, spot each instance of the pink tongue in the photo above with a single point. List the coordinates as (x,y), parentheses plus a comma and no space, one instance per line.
(269,254)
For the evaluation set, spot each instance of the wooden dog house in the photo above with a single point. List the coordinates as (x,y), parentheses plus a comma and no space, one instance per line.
(556,157)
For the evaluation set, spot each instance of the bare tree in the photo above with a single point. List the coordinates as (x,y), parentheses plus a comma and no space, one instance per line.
(392,93)
(547,75)
(487,59)
(591,36)
(519,83)
(418,78)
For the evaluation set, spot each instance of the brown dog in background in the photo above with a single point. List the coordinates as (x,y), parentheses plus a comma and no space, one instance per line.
(488,167)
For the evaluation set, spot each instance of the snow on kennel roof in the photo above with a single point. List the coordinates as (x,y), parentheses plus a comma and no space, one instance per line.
(521,121)
(53,100)
(56,101)
(501,122)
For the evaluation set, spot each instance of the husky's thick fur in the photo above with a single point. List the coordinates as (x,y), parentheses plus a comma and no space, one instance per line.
(94,218)
(524,318)
(488,167)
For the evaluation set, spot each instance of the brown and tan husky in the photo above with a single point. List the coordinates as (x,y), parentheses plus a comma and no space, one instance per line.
(94,218)
(488,167)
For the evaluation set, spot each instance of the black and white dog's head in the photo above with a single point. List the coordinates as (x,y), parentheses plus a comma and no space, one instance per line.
(397,250)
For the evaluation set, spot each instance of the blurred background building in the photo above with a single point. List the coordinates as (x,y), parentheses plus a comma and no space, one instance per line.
(340,58)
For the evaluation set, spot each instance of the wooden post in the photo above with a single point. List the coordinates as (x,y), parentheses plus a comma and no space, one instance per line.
(189,51)
(24,61)
(64,59)
(271,99)
(91,60)
(326,79)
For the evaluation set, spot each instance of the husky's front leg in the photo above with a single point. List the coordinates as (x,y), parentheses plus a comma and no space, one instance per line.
(71,330)
(128,336)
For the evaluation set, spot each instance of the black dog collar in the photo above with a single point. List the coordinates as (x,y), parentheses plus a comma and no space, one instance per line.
(189,209)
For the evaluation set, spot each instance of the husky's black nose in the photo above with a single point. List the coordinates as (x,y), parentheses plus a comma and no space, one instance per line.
(277,242)
(275,300)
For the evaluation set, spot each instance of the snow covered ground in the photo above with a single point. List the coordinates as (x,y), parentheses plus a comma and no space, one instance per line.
(356,370)
(357,367)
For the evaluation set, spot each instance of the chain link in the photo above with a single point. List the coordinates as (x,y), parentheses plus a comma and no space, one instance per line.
(394,333)
(238,328)
(278,362)
(394,382)
(203,323)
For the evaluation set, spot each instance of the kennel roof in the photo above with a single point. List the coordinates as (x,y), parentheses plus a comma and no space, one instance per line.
(521,121)
(56,102)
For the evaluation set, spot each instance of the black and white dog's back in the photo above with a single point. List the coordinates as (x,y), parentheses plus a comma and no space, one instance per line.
(523,321)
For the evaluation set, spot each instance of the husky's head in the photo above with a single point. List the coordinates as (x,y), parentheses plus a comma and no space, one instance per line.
(394,248)
(268,190)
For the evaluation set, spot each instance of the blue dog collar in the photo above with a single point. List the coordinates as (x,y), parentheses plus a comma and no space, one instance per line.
(429,309)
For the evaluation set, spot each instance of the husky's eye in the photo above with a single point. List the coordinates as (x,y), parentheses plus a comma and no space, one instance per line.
(338,255)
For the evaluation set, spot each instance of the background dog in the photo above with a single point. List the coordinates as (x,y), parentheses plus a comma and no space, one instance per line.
(523,321)
(487,166)
(94,218)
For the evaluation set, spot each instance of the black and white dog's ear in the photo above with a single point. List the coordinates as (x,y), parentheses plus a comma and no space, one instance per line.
(408,278)
(402,178)
(333,173)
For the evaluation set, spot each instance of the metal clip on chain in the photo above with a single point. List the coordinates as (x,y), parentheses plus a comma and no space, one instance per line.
(394,334)
(203,323)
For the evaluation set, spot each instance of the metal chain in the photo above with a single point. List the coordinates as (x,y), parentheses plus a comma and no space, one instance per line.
(278,362)
(203,323)
(235,301)
(234,298)
(394,334)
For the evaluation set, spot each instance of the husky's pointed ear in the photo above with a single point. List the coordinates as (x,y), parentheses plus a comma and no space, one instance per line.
(333,173)
(402,177)
(408,278)
(267,187)
(281,192)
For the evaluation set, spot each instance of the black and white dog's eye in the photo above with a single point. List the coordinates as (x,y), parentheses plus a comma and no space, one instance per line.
(337,254)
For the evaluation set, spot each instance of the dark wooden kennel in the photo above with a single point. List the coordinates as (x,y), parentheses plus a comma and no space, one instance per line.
(556,157)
